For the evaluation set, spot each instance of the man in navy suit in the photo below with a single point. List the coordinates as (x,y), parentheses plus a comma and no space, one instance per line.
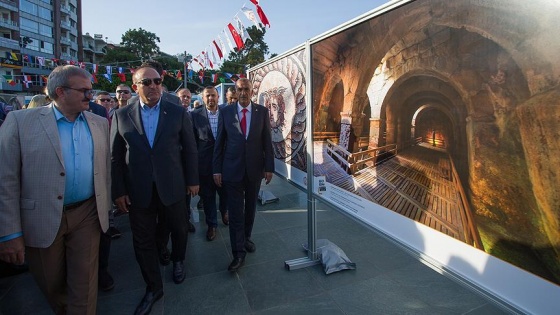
(154,164)
(205,123)
(243,156)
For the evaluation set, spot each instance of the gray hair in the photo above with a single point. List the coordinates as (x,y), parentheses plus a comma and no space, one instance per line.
(61,76)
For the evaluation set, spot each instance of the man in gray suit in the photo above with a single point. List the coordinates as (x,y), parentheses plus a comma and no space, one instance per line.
(154,165)
(242,158)
(55,191)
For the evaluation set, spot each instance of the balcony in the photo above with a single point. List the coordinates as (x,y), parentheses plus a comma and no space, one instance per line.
(9,43)
(64,10)
(101,51)
(88,47)
(4,86)
(65,41)
(9,24)
(66,56)
(65,25)
(10,5)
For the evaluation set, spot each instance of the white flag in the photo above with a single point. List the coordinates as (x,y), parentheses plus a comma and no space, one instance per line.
(251,16)
(242,31)
(228,41)
(224,50)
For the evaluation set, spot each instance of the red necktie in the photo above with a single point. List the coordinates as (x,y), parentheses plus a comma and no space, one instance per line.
(243,122)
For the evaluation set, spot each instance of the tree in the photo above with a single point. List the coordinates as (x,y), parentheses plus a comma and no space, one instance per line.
(141,43)
(252,54)
(120,55)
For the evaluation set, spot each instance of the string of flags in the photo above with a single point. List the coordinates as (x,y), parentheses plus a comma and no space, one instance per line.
(237,31)
(210,58)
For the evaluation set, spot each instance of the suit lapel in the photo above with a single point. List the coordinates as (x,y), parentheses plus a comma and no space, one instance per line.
(96,135)
(162,120)
(48,122)
(136,119)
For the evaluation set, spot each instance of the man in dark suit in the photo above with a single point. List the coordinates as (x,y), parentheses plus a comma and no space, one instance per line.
(154,164)
(205,123)
(242,158)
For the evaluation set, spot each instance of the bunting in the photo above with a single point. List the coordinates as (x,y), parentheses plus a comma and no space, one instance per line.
(41,61)
(179,75)
(9,80)
(260,12)
(218,50)
(244,35)
(228,41)
(251,16)
(27,80)
(224,50)
(236,36)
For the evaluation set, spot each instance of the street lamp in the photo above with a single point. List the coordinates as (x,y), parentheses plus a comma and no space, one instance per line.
(186,58)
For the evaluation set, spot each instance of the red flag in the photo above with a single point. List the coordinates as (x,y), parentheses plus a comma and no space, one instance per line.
(179,76)
(122,77)
(214,77)
(201,76)
(236,37)
(93,78)
(218,50)
(261,14)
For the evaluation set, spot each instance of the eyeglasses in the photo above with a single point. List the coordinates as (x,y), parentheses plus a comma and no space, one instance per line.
(148,82)
(126,92)
(104,99)
(87,92)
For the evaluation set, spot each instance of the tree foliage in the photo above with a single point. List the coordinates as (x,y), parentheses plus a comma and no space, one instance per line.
(141,43)
(253,53)
(119,55)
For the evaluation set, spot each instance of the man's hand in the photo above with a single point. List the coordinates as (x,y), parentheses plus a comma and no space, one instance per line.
(123,202)
(267,177)
(218,180)
(13,251)
(193,190)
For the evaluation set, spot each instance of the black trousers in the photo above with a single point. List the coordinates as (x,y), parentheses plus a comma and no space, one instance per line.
(143,223)
(208,190)
(242,205)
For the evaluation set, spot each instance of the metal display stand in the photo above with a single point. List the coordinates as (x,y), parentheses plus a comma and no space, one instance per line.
(312,257)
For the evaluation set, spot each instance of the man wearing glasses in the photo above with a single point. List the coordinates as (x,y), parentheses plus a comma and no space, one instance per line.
(123,94)
(55,193)
(154,164)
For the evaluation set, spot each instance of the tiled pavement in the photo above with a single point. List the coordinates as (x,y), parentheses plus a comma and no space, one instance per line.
(387,279)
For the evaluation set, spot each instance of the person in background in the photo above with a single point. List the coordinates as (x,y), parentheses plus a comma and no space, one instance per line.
(231,96)
(243,156)
(205,123)
(38,101)
(185,96)
(154,164)
(123,94)
(55,191)
(197,104)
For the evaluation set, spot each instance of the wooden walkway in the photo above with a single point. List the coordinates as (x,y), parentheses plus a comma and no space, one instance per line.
(416,183)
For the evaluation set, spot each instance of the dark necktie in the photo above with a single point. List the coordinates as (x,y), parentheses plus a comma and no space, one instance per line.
(244,122)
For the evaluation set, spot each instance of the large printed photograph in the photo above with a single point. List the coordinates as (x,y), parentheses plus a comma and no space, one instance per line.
(280,87)
(447,112)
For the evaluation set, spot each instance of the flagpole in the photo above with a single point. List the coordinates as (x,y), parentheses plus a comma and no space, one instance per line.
(185,69)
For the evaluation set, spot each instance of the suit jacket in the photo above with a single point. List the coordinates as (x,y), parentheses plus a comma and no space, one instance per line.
(32,174)
(172,163)
(234,155)
(165,96)
(98,109)
(204,140)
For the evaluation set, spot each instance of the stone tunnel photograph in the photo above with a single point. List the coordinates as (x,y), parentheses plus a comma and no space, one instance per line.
(448,113)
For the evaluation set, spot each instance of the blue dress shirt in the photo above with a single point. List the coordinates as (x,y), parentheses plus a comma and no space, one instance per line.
(150,118)
(76,144)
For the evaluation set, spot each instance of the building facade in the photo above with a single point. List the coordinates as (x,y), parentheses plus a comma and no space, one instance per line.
(37,35)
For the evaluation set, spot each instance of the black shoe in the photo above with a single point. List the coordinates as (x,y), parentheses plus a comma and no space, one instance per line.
(225,218)
(178,272)
(191,228)
(164,257)
(106,282)
(211,233)
(113,232)
(149,299)
(236,264)
(200,204)
(250,246)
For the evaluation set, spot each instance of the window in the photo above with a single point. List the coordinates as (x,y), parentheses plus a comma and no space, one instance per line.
(72,8)
(45,30)
(72,23)
(45,13)
(47,1)
(29,25)
(73,53)
(29,43)
(47,47)
(28,7)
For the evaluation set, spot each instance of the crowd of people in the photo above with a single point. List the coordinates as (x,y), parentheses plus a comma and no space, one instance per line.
(74,159)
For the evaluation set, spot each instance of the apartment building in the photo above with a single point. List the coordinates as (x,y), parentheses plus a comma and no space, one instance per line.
(36,36)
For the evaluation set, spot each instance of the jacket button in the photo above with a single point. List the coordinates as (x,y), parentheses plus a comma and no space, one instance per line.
(59,197)
(62,174)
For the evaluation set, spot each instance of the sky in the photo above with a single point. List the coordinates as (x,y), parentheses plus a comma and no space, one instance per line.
(191,26)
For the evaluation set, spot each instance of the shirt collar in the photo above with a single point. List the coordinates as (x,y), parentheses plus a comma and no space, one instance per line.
(145,107)
(58,115)
(239,107)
